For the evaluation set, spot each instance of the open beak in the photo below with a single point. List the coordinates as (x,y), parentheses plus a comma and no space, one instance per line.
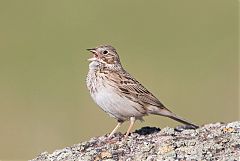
(95,55)
(93,50)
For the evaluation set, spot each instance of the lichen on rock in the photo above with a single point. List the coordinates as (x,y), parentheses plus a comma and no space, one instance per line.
(210,142)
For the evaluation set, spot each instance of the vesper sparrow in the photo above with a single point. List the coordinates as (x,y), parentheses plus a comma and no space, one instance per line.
(118,93)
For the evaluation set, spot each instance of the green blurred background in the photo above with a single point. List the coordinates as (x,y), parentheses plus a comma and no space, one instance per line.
(185,52)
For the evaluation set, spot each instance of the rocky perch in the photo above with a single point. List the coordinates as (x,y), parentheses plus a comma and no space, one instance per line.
(209,142)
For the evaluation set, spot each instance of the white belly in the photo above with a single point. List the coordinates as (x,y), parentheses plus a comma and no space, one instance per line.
(116,106)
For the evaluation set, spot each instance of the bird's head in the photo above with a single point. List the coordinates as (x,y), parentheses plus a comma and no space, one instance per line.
(105,54)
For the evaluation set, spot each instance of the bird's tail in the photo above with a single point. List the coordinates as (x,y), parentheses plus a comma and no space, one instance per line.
(184,121)
(168,113)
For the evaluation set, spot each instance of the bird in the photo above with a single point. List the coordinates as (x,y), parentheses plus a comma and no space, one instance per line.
(119,94)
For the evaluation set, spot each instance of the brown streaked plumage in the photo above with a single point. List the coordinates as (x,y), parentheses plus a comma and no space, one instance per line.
(118,93)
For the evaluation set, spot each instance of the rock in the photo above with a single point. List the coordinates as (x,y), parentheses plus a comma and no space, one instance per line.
(210,142)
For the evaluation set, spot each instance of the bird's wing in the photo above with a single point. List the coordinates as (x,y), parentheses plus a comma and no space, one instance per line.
(130,87)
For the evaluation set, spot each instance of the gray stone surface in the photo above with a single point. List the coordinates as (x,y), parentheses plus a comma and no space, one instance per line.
(209,142)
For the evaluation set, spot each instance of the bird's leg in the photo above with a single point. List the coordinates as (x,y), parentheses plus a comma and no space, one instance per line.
(115,129)
(132,120)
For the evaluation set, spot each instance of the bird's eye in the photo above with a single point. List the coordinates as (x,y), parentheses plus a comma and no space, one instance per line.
(105,52)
